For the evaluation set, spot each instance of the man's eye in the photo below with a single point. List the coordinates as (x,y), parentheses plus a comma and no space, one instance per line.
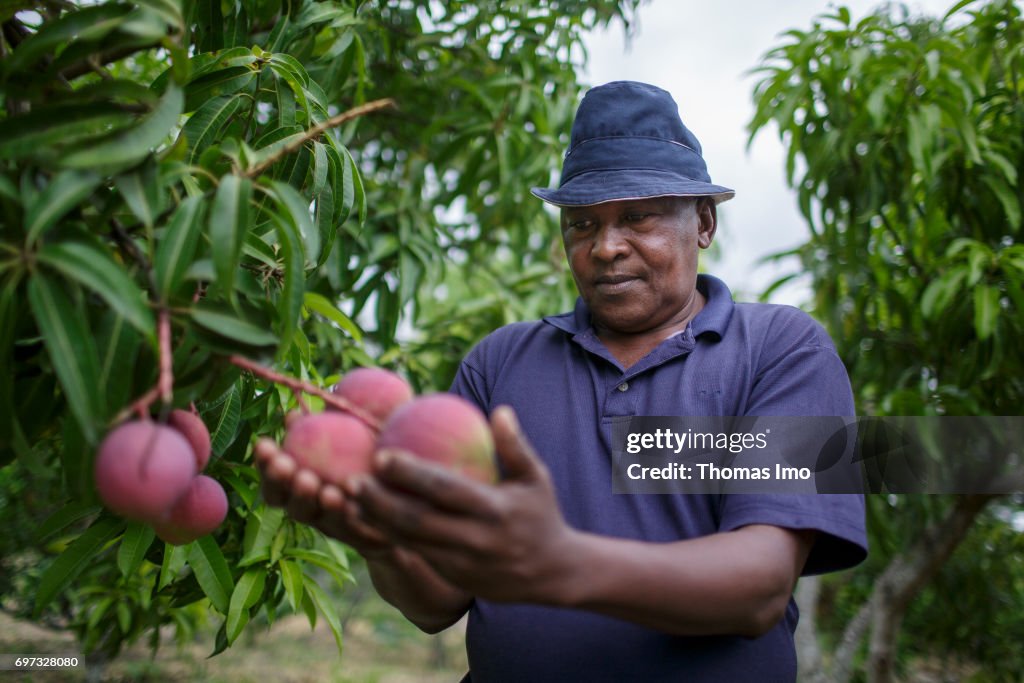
(636,217)
(579,225)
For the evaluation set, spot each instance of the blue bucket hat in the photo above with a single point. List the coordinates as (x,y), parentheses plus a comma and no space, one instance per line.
(628,142)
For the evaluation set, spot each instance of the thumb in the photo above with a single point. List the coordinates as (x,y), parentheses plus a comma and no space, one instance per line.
(515,454)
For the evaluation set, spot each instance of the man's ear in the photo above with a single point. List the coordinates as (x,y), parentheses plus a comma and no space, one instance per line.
(707,216)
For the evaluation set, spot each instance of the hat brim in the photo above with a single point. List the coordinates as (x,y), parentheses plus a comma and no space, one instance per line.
(598,187)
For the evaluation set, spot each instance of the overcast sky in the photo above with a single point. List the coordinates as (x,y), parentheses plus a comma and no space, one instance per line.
(700,50)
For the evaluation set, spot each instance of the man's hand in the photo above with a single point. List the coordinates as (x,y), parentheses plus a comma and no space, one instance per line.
(400,576)
(311,501)
(503,542)
(510,543)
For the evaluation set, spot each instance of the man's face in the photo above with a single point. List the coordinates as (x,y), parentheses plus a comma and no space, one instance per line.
(635,261)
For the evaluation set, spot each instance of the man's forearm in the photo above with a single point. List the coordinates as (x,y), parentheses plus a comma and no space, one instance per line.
(735,583)
(405,581)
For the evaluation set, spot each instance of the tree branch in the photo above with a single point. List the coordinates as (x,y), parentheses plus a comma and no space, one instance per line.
(316,131)
(298,385)
(898,584)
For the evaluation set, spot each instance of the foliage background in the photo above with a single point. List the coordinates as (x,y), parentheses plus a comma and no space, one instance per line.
(161,159)
(904,135)
(179,160)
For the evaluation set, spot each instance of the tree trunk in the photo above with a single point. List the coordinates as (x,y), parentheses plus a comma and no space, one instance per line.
(896,588)
(808,653)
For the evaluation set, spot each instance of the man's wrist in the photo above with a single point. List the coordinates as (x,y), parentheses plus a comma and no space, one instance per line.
(566,582)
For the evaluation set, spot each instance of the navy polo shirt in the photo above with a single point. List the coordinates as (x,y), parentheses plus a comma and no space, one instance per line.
(567,389)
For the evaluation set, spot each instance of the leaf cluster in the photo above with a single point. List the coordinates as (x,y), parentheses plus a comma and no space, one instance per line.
(317,185)
(905,137)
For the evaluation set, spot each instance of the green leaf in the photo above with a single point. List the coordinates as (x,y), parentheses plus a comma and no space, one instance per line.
(63,518)
(72,561)
(217,83)
(247,592)
(210,26)
(940,291)
(124,617)
(118,345)
(956,8)
(212,572)
(47,130)
(359,194)
(65,192)
(321,165)
(320,304)
(294,75)
(323,560)
(296,208)
(204,126)
(169,11)
(986,310)
(67,27)
(227,423)
(344,185)
(229,224)
(92,267)
(177,248)
(291,577)
(134,544)
(326,607)
(232,327)
(98,612)
(174,562)
(129,146)
(309,609)
(269,522)
(285,104)
(325,225)
(289,305)
(71,348)
(1007,197)
(141,192)
(1005,166)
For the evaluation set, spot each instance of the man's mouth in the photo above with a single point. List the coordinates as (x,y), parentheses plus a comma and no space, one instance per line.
(610,284)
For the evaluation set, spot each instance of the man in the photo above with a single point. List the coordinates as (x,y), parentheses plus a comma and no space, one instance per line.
(562,579)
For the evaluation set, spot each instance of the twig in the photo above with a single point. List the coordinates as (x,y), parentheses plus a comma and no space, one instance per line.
(303,406)
(165,382)
(164,387)
(294,384)
(318,130)
(122,237)
(140,407)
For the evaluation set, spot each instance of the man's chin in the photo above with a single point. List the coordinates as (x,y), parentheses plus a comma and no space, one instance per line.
(620,322)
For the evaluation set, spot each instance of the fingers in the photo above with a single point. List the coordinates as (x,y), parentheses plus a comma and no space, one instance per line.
(340,518)
(276,469)
(303,504)
(517,457)
(309,500)
(440,486)
(286,485)
(405,519)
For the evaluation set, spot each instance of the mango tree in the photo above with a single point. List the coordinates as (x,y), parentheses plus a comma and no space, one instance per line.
(221,206)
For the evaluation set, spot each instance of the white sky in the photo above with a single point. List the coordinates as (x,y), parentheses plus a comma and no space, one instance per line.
(700,50)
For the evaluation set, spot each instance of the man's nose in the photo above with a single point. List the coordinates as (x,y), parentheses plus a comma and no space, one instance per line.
(609,243)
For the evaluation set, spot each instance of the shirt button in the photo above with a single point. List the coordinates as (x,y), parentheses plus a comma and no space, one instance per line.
(624,386)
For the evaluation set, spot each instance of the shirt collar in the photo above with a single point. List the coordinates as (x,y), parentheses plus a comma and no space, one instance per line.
(713,318)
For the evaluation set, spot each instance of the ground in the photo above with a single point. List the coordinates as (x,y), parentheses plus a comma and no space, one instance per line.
(379,648)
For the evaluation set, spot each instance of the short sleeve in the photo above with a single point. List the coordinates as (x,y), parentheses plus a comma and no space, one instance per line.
(470,385)
(803,376)
(838,518)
